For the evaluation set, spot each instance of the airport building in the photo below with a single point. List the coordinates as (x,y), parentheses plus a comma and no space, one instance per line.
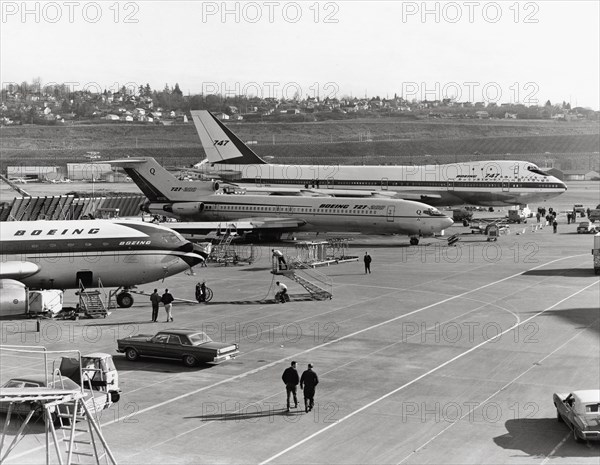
(35,173)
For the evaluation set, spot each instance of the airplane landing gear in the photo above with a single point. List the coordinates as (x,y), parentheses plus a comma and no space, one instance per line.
(124,300)
(414,240)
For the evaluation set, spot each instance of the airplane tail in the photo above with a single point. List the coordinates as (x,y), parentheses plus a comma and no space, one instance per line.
(158,185)
(220,144)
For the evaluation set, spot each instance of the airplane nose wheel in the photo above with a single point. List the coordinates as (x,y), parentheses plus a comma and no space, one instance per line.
(414,241)
(124,300)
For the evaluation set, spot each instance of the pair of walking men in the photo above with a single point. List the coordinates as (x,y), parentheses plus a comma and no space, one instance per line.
(308,382)
(167,299)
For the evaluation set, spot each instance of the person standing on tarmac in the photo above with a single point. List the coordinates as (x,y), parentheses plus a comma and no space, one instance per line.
(291,379)
(167,299)
(308,383)
(367,259)
(155,299)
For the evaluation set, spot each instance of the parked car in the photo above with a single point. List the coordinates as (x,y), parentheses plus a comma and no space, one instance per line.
(586,227)
(188,345)
(580,410)
(99,399)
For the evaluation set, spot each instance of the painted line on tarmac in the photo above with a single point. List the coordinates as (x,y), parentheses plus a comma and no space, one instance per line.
(424,375)
(533,366)
(558,446)
(320,346)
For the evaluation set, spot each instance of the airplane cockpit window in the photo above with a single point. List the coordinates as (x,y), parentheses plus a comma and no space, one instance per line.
(536,170)
(433,212)
(172,238)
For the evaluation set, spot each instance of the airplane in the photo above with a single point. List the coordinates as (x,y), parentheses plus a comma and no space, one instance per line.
(482,183)
(72,254)
(307,211)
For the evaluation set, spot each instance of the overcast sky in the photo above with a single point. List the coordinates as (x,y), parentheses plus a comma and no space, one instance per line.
(474,50)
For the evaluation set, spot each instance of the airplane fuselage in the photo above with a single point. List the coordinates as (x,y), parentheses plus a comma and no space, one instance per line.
(317,214)
(487,183)
(65,254)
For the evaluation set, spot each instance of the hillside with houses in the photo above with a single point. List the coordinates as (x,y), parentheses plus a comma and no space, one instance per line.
(56,104)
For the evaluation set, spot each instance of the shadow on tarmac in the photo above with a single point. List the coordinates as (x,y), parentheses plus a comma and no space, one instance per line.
(247,415)
(525,434)
(581,317)
(157,365)
(566,272)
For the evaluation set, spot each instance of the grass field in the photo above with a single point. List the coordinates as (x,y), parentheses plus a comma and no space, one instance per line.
(571,145)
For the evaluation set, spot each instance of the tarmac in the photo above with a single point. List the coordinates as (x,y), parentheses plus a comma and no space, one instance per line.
(441,355)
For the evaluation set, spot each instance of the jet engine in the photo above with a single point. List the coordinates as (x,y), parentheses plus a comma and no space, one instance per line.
(184,208)
(13,298)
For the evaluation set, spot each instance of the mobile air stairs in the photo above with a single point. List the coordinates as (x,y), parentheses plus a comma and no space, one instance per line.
(223,252)
(318,285)
(70,422)
(91,303)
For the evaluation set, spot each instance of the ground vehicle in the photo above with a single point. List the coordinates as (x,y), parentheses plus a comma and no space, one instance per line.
(586,227)
(98,372)
(188,345)
(462,215)
(517,216)
(580,410)
(93,399)
(578,208)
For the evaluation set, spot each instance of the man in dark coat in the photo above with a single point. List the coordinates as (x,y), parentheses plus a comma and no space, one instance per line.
(155,299)
(367,260)
(308,383)
(291,379)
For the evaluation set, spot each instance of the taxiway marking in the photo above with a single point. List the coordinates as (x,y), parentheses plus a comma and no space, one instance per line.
(420,377)
(299,354)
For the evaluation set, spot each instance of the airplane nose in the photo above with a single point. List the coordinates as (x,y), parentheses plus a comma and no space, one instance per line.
(447,222)
(192,259)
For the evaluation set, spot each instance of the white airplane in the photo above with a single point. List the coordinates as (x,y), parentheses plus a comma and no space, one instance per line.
(71,254)
(485,183)
(305,211)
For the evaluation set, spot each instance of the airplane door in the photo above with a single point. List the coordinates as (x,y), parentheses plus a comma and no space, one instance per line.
(450,185)
(384,184)
(84,278)
(330,183)
(258,181)
(505,186)
(390,213)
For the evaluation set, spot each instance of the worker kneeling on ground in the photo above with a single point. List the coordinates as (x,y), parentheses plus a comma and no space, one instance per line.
(282,294)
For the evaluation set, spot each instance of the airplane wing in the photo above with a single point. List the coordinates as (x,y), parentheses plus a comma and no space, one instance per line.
(18,270)
(204,228)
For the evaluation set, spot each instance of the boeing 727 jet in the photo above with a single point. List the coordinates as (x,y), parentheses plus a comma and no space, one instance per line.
(197,201)
(485,183)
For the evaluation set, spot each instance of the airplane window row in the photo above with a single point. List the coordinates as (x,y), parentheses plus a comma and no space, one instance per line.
(292,209)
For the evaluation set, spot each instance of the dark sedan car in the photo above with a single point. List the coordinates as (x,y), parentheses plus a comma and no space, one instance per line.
(188,345)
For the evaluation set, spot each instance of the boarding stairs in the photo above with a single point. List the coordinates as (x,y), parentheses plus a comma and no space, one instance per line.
(91,303)
(318,285)
(223,252)
(80,427)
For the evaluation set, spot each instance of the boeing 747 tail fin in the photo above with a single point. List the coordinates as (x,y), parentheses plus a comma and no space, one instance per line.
(220,144)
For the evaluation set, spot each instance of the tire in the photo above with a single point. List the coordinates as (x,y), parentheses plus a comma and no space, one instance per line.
(209,294)
(131,354)
(124,300)
(414,241)
(189,361)
(576,436)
